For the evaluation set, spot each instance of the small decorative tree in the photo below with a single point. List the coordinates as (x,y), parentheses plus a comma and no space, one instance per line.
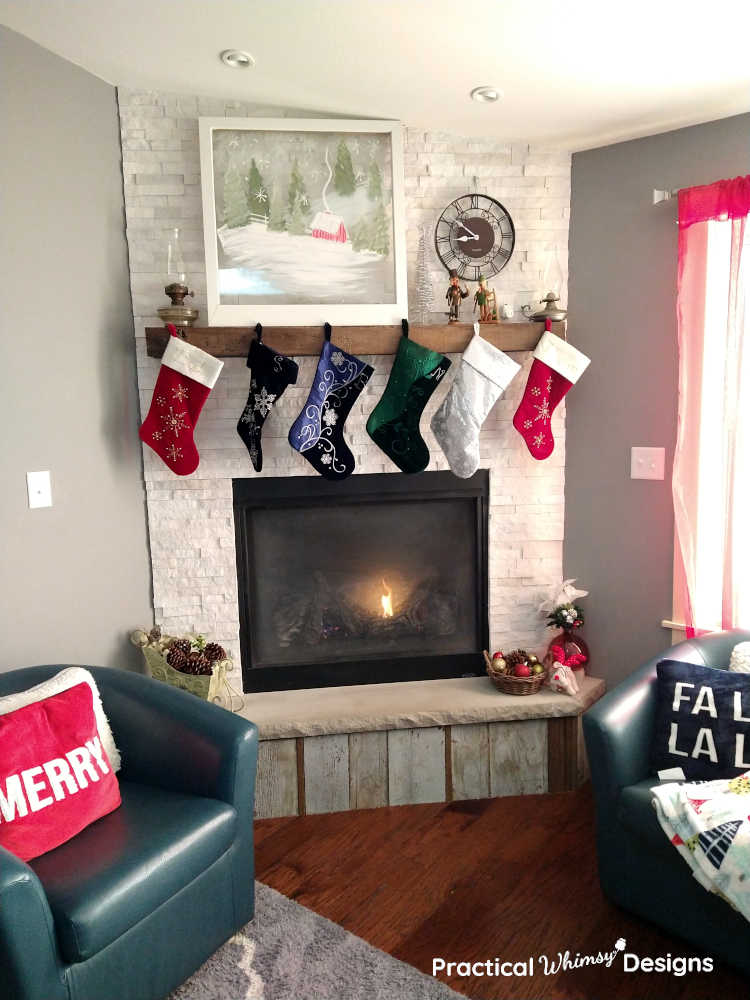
(380,231)
(424,285)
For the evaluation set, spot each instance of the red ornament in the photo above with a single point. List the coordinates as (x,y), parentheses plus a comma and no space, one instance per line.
(522,670)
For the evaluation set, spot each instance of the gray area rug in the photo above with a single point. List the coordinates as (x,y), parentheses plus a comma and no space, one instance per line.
(290,953)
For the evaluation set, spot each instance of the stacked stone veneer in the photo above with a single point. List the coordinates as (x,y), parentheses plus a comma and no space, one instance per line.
(190,519)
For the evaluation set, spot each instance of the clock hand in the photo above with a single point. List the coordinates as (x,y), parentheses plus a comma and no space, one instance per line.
(474,235)
(465,239)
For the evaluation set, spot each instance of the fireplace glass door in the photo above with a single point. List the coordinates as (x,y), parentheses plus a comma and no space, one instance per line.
(380,578)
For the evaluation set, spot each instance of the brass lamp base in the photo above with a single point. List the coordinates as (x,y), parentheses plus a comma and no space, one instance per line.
(178,315)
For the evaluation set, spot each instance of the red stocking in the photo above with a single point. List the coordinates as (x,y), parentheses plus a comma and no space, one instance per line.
(186,377)
(556,367)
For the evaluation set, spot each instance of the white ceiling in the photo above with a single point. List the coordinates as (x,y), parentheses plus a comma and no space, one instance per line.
(577,74)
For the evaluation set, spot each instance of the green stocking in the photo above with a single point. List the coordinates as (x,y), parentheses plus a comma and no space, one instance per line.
(394,423)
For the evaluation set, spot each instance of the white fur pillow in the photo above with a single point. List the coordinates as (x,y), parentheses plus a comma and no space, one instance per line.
(739,661)
(67,678)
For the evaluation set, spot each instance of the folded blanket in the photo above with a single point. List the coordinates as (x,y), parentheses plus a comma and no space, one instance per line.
(708,823)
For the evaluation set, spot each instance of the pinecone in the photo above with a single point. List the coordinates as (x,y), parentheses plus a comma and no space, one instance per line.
(198,664)
(177,660)
(155,634)
(516,656)
(184,645)
(214,651)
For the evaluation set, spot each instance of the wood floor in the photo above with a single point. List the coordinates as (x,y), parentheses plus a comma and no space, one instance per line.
(471,881)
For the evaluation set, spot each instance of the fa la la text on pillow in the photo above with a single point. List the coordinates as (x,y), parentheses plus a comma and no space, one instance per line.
(702,721)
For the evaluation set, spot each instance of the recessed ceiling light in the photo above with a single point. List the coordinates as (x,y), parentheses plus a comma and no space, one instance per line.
(486,95)
(237,59)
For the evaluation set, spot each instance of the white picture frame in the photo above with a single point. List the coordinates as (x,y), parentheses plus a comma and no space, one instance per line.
(258,272)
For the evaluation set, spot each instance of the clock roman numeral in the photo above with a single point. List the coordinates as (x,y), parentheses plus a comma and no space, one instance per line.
(461,269)
(474,202)
(503,252)
(477,271)
(444,239)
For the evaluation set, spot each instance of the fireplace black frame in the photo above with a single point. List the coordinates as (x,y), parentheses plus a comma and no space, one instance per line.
(307,491)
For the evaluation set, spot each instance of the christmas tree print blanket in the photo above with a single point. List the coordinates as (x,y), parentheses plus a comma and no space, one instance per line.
(709,824)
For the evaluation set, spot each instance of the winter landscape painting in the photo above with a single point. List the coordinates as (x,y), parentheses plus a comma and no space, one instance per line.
(302,220)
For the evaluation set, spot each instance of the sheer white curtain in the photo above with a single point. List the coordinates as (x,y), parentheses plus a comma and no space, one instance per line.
(711,479)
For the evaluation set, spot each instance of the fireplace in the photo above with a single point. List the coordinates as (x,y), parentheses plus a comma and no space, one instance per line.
(380,578)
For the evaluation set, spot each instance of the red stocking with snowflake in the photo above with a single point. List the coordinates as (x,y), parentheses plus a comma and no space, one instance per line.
(186,377)
(557,366)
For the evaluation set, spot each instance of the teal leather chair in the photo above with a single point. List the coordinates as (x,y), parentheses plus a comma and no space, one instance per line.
(638,868)
(131,906)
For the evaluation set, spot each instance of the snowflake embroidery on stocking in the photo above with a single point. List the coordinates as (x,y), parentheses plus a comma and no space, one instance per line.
(174,452)
(337,358)
(330,417)
(175,422)
(542,411)
(536,391)
(248,416)
(549,383)
(157,435)
(539,440)
(161,401)
(253,453)
(264,402)
(326,459)
(180,393)
(527,424)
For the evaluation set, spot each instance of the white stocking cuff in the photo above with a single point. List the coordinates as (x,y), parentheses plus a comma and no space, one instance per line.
(490,361)
(191,361)
(561,356)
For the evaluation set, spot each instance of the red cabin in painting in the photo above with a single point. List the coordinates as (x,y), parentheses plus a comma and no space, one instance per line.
(327,226)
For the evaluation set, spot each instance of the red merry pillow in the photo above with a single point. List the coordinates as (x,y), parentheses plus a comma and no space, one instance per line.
(55,777)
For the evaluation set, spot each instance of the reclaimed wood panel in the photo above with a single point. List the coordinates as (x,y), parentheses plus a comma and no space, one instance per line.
(416,765)
(563,753)
(518,757)
(326,773)
(276,783)
(300,341)
(470,761)
(368,770)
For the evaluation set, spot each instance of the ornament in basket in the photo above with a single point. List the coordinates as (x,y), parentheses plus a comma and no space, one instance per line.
(517,673)
(187,662)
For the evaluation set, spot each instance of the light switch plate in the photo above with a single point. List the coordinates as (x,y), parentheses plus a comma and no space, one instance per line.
(646,463)
(40,489)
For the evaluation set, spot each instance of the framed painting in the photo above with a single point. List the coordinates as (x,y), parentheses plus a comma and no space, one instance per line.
(303,221)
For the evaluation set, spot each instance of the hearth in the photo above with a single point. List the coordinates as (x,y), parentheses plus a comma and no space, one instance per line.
(380,578)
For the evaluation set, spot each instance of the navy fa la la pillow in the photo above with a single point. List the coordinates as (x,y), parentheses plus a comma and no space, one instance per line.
(702,721)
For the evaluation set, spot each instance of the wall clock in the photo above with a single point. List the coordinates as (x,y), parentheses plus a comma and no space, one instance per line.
(475,235)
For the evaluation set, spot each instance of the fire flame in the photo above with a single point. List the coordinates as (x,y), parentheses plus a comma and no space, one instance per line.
(385,601)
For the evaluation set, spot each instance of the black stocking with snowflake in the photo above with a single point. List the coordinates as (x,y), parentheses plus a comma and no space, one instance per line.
(270,374)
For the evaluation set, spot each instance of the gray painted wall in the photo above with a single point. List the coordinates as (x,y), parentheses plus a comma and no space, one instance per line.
(75,577)
(623,273)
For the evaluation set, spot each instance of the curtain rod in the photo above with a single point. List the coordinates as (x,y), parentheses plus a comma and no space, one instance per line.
(660,196)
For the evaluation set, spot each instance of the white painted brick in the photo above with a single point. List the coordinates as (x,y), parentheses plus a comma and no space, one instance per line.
(190,518)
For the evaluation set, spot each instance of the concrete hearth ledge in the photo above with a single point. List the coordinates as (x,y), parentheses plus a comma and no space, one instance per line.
(407,705)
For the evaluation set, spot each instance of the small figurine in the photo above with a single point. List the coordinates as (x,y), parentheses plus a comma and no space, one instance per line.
(480,299)
(454,295)
(492,304)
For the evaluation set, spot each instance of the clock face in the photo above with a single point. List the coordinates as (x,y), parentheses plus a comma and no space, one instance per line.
(475,235)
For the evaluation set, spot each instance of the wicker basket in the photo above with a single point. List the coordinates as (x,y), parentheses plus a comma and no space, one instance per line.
(510,684)
(208,687)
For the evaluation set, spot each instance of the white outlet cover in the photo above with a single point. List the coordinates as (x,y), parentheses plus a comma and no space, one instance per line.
(40,489)
(646,463)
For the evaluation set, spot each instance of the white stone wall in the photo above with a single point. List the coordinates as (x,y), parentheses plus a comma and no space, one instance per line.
(190,519)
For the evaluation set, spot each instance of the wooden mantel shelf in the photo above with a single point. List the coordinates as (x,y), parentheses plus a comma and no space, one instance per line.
(296,341)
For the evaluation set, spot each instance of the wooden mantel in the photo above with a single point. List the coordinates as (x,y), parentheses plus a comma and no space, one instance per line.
(296,341)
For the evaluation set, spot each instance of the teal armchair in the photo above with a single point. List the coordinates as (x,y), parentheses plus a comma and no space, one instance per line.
(133,904)
(638,868)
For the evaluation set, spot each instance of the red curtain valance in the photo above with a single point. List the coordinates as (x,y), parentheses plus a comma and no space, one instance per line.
(722,200)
